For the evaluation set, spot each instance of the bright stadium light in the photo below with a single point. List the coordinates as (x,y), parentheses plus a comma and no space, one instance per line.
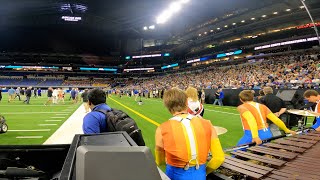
(152,27)
(218,28)
(301,7)
(164,17)
(184,1)
(253,19)
(234,24)
(211,30)
(275,12)
(288,10)
(200,34)
(243,21)
(175,7)
(264,16)
(205,33)
(161,19)
(226,26)
(145,28)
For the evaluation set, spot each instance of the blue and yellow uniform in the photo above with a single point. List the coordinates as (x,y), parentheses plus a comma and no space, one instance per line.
(183,143)
(317,110)
(254,122)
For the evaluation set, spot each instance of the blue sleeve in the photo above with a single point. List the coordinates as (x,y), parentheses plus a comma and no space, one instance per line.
(317,124)
(90,124)
(221,96)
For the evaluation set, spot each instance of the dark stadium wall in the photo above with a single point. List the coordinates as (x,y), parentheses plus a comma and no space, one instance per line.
(132,45)
(61,39)
(292,96)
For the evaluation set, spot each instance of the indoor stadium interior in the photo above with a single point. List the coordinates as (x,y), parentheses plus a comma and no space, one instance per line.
(159,90)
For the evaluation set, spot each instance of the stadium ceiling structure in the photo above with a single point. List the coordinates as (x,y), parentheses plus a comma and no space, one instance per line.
(97,26)
(115,16)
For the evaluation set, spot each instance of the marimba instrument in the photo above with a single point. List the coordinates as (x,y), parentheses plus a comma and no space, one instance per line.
(294,157)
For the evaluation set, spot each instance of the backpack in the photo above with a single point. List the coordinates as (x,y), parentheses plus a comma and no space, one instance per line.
(118,120)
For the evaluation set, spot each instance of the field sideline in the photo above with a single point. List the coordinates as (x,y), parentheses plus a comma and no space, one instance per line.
(35,123)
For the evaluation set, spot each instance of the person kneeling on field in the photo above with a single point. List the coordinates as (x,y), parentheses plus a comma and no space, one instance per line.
(183,142)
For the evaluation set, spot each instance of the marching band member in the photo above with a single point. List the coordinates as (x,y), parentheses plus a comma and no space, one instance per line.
(183,142)
(314,97)
(254,120)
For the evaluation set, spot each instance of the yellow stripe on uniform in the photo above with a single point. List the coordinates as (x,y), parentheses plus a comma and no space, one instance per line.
(185,134)
(196,143)
(137,113)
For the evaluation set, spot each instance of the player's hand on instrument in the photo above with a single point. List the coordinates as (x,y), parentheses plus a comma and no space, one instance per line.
(257,140)
(277,114)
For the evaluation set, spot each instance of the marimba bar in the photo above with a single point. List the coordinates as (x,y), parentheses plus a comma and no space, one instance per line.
(295,157)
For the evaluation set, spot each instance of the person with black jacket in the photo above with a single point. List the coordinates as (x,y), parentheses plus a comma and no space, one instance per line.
(276,105)
(28,95)
(35,92)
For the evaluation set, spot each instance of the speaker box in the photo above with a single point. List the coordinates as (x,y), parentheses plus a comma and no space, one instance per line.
(292,98)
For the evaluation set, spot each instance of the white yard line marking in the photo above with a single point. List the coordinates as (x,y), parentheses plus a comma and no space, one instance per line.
(221,112)
(65,133)
(53,120)
(30,105)
(30,130)
(29,137)
(30,112)
(47,124)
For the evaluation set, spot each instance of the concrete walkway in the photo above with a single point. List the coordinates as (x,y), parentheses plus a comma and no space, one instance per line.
(72,126)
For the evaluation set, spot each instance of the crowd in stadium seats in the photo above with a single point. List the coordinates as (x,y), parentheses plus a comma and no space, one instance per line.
(51,82)
(30,82)
(76,83)
(289,71)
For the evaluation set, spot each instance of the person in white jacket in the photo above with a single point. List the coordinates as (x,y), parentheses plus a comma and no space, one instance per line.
(55,96)
(194,105)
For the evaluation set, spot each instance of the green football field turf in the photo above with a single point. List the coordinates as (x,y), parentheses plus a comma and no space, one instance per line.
(22,119)
(33,123)
(154,109)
